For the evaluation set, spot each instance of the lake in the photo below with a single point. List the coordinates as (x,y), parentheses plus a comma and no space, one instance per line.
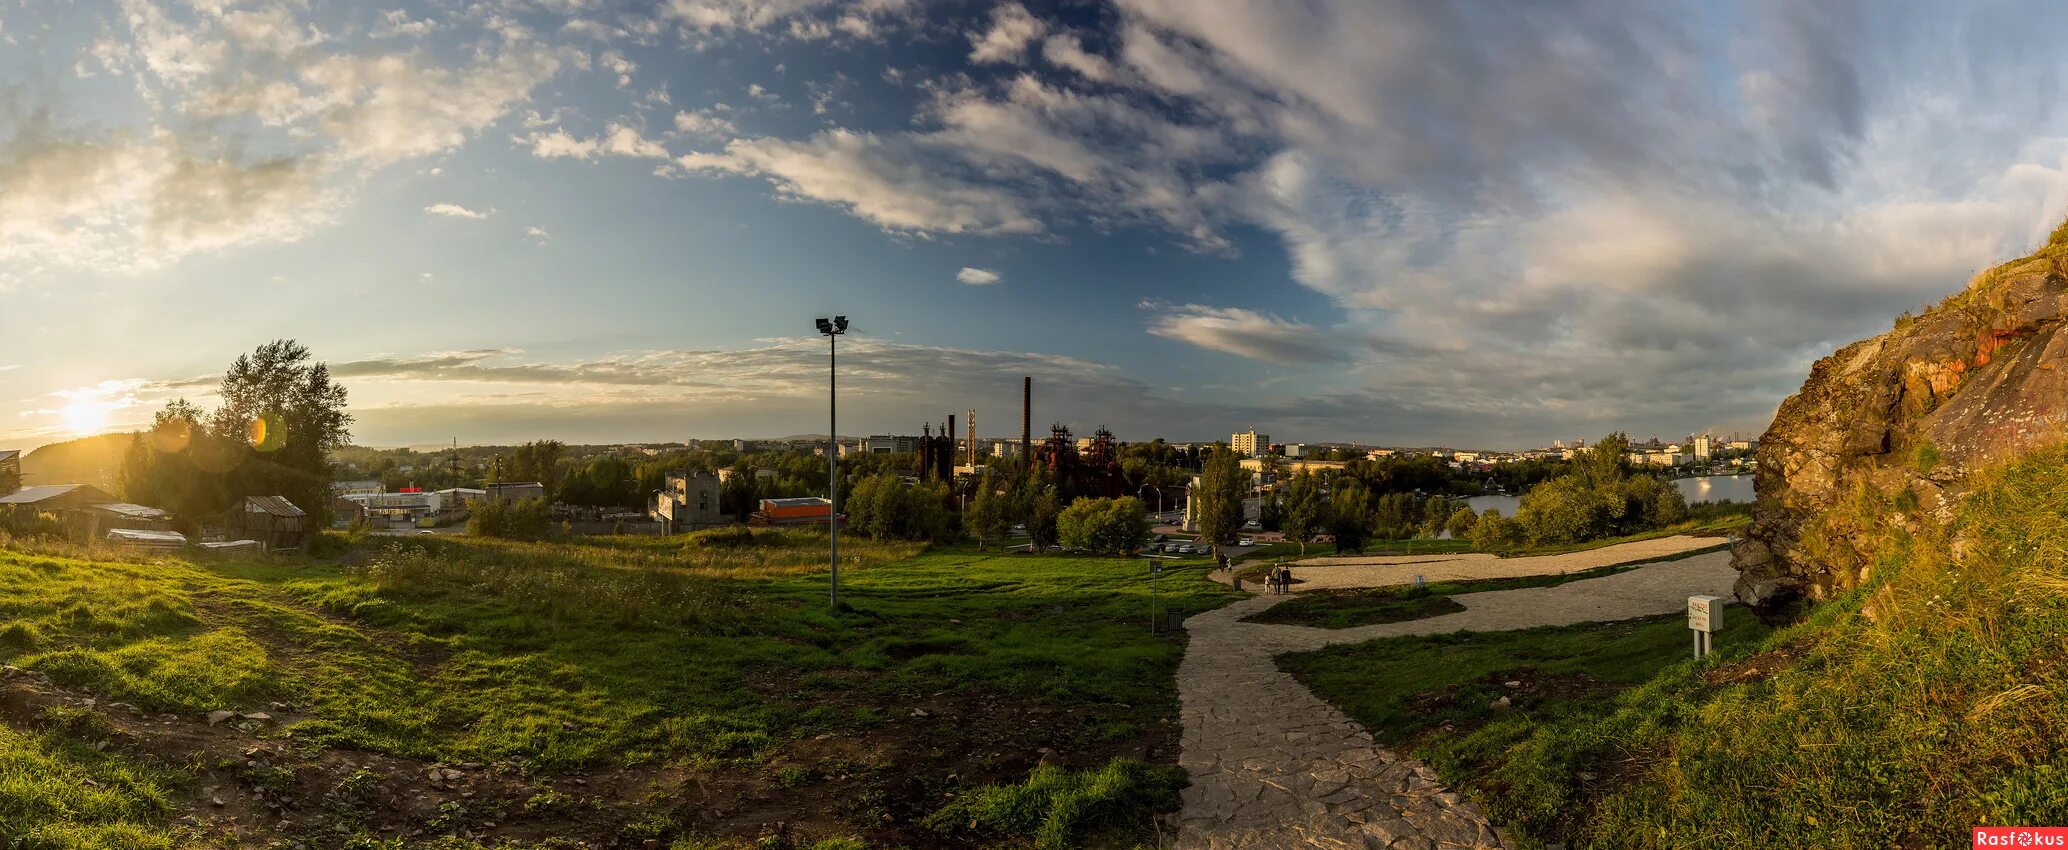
(1710,488)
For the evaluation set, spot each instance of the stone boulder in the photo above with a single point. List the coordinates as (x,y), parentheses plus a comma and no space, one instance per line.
(1910,414)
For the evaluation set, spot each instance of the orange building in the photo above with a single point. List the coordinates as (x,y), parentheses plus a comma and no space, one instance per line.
(805,511)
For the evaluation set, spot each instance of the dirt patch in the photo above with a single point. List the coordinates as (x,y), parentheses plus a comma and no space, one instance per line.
(1524,687)
(1756,668)
(252,783)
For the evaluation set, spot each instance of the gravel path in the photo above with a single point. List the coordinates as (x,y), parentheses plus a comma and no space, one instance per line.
(1381,571)
(1273,766)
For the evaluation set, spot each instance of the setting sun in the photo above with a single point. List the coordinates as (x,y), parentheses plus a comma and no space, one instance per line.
(86,416)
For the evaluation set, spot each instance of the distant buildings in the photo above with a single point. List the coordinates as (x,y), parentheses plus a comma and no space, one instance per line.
(884,444)
(1250,443)
(1295,450)
(688,501)
(513,491)
(10,471)
(1702,447)
(357,488)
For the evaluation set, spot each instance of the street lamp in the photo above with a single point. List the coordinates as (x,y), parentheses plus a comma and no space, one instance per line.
(833,328)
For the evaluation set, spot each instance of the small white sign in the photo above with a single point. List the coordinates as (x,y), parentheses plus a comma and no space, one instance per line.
(1705,613)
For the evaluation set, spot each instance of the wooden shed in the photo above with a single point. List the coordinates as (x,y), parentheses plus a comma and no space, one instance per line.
(273,521)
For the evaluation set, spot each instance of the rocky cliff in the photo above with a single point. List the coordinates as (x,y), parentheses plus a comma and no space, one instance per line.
(1904,418)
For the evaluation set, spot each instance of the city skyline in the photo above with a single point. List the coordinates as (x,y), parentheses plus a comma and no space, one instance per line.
(604,222)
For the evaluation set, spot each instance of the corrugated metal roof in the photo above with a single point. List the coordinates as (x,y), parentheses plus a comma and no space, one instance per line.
(275,505)
(38,493)
(132,511)
(807,501)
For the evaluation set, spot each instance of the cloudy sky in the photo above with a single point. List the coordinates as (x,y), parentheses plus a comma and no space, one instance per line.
(1483,224)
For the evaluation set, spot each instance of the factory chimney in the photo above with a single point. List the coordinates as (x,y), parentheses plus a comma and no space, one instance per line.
(1027,420)
(972,437)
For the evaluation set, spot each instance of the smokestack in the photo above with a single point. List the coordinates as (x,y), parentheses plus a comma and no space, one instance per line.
(1027,418)
(972,437)
(948,450)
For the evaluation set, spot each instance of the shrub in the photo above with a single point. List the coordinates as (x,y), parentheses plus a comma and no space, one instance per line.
(1104,525)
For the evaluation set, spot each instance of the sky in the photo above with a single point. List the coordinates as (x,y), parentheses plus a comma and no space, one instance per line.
(1481,225)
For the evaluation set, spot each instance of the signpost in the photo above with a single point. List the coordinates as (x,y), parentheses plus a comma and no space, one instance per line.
(1704,617)
(1155,573)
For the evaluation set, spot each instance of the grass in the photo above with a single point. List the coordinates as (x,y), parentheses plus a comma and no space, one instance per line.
(1922,701)
(1343,609)
(1402,687)
(1059,808)
(59,794)
(602,653)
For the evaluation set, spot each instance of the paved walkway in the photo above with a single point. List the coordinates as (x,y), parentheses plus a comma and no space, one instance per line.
(1273,766)
(1380,571)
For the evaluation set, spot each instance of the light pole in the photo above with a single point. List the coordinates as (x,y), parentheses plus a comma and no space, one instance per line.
(833,328)
(1159,500)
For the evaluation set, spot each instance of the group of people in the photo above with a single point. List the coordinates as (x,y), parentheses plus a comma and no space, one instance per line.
(1278,580)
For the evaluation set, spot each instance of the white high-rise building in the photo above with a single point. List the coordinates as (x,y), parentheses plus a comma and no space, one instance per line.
(1250,443)
(1702,447)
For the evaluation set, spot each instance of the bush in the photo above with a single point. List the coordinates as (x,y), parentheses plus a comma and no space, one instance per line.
(1104,525)
(524,518)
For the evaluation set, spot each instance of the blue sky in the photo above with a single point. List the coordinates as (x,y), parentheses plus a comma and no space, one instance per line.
(1480,224)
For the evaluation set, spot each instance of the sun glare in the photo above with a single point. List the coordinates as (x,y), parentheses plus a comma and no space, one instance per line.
(86,416)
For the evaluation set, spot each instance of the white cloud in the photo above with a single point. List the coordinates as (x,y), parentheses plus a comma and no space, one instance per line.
(1244,332)
(1012,29)
(538,235)
(454,211)
(883,179)
(977,277)
(1068,51)
(704,122)
(131,203)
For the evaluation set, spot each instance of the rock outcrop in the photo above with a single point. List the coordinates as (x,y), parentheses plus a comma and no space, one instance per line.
(1910,414)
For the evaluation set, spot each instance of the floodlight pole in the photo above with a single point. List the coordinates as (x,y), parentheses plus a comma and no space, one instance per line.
(833,330)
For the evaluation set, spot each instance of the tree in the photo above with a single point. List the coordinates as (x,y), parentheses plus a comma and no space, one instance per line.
(1271,514)
(1104,525)
(280,423)
(1349,510)
(538,460)
(1493,531)
(883,507)
(1303,511)
(1043,512)
(1222,485)
(987,512)
(1460,523)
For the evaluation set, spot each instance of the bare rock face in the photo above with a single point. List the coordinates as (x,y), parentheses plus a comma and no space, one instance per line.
(1911,413)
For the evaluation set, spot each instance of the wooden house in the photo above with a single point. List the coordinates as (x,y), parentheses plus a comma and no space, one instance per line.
(273,521)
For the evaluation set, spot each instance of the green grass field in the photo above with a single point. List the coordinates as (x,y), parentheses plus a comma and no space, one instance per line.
(680,664)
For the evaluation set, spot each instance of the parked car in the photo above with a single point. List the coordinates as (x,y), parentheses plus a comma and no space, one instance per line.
(1246,541)
(1252,524)
(1184,549)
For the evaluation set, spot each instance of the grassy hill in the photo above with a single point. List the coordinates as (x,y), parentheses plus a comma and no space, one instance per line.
(601,693)
(1932,699)
(88,460)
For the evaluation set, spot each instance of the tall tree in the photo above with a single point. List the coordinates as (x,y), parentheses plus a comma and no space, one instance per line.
(987,512)
(280,422)
(1303,510)
(1222,485)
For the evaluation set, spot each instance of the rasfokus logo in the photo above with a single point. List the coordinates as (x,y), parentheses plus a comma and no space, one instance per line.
(2021,836)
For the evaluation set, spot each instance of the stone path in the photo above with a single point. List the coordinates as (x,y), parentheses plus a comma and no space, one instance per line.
(1273,766)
